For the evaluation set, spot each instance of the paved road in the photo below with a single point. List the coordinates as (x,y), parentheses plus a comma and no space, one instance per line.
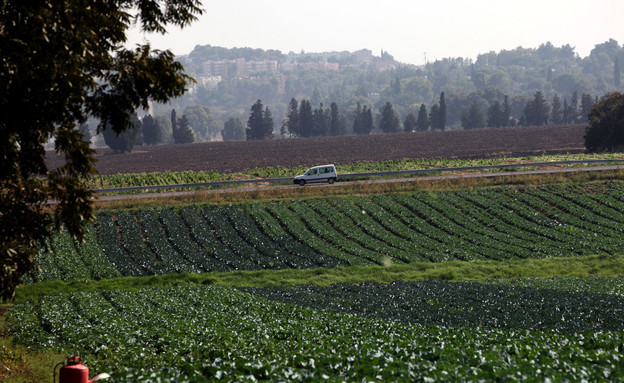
(345,183)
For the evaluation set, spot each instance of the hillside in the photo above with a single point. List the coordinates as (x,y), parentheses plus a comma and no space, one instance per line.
(232,156)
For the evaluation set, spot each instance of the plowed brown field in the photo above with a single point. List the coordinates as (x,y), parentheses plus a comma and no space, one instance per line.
(235,156)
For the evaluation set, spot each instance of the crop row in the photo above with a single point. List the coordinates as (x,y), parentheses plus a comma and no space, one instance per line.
(369,332)
(496,224)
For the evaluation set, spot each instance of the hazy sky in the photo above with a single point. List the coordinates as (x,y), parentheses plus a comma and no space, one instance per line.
(407,29)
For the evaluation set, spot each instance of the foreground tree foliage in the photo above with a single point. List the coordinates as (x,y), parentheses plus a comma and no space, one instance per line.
(606,125)
(62,62)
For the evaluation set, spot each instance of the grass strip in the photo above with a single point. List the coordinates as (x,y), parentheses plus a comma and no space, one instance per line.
(602,265)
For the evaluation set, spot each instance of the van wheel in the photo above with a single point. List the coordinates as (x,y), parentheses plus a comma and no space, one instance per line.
(301,182)
(331,181)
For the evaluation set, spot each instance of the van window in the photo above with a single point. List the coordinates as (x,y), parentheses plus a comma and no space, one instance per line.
(312,172)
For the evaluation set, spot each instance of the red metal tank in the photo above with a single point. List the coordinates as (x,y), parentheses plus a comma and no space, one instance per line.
(74,371)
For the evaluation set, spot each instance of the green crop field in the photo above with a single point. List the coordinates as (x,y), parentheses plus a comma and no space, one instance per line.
(471,323)
(495,224)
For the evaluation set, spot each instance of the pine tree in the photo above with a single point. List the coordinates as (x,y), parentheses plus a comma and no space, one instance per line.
(409,125)
(390,122)
(184,134)
(422,124)
(555,114)
(255,122)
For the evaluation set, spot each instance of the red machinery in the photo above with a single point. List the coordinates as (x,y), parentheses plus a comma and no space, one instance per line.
(75,372)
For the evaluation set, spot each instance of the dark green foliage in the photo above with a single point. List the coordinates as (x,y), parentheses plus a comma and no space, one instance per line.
(64,62)
(123,142)
(410,123)
(473,118)
(423,119)
(606,125)
(338,124)
(390,121)
(260,122)
(292,118)
(201,121)
(441,121)
(495,224)
(321,120)
(434,117)
(182,132)
(211,333)
(362,120)
(464,304)
(152,134)
(306,119)
(587,102)
(555,114)
(233,130)
(536,111)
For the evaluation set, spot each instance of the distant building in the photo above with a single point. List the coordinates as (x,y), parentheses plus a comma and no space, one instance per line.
(238,67)
(210,82)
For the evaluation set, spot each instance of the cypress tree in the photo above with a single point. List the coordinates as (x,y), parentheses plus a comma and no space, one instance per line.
(410,123)
(390,122)
(495,115)
(555,115)
(267,124)
(367,120)
(423,121)
(292,116)
(306,119)
(434,117)
(358,119)
(337,125)
(506,119)
(442,113)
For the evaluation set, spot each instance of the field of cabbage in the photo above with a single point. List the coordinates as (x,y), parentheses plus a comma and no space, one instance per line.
(495,224)
(404,331)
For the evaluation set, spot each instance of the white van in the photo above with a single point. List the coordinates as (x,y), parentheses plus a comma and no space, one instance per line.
(323,173)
